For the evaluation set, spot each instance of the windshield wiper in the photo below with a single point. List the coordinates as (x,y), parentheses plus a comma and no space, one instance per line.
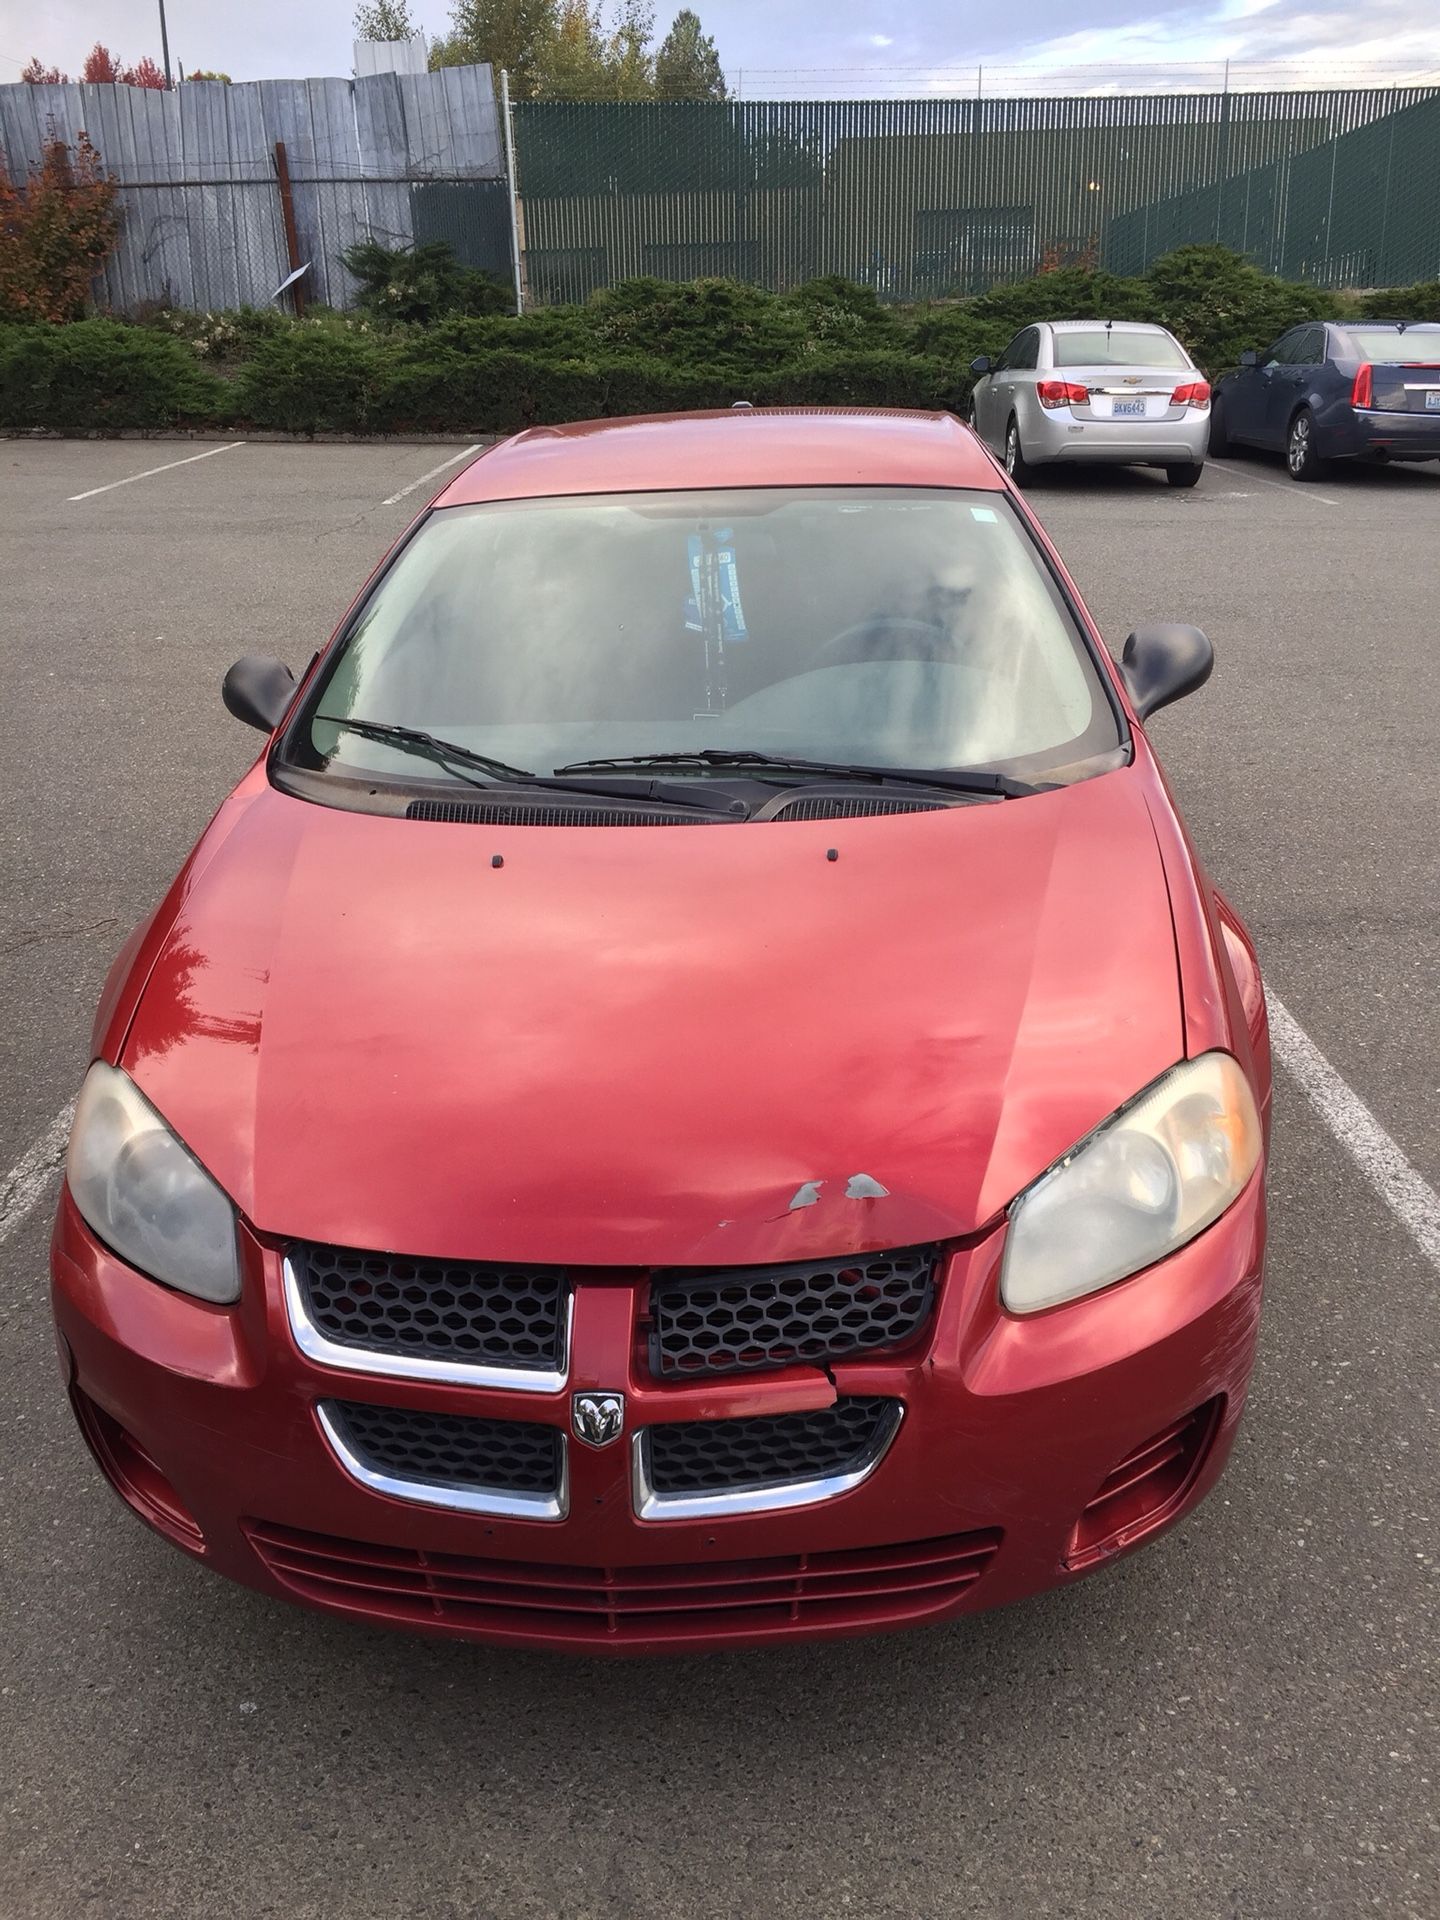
(743,760)
(454,758)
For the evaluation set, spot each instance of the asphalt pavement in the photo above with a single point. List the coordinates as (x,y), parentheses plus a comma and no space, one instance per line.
(1240,1721)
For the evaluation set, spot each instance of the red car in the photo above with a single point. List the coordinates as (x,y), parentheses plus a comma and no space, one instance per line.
(498,1209)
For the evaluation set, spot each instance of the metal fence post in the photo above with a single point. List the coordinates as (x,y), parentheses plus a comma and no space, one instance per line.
(514,190)
(287,215)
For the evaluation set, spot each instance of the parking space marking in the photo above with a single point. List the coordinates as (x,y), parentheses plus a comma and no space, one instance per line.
(25,1184)
(169,465)
(1413,1201)
(433,474)
(1291,487)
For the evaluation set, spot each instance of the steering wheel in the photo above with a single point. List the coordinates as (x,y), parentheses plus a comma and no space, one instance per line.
(885,636)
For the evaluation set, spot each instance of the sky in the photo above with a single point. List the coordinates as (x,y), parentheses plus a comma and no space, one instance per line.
(790,48)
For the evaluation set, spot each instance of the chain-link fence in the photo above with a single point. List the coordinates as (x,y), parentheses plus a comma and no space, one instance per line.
(925,198)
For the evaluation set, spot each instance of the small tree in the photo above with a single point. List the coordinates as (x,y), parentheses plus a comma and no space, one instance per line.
(508,33)
(630,64)
(687,67)
(56,232)
(37,76)
(383,20)
(101,68)
(144,73)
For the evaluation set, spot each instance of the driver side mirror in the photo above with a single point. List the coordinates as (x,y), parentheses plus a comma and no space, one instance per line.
(979,365)
(1163,663)
(257,690)
(1250,358)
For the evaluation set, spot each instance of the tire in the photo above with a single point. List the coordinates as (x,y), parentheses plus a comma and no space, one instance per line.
(1219,438)
(1020,470)
(1301,458)
(1184,476)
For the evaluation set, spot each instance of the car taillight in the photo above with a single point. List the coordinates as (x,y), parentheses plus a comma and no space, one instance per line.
(1192,393)
(1360,393)
(1062,393)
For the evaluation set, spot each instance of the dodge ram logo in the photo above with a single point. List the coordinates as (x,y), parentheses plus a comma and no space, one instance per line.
(597,1417)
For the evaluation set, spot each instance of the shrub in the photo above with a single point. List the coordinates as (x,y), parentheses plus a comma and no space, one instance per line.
(315,380)
(1219,305)
(416,285)
(1420,302)
(56,232)
(100,375)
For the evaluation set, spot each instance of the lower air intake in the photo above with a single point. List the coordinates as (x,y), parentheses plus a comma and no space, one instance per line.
(1145,1488)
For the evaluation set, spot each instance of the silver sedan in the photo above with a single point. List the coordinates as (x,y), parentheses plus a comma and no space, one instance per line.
(1077,390)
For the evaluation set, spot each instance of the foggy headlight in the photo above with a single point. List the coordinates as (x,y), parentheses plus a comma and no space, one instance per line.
(1144,1182)
(144,1193)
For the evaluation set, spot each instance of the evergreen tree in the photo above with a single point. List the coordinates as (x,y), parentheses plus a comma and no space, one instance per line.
(687,67)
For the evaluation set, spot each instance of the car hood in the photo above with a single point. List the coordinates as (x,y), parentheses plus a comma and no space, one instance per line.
(675,1045)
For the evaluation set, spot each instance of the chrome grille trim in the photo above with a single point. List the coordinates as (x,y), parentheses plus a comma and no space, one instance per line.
(404,1366)
(773,1497)
(499,1503)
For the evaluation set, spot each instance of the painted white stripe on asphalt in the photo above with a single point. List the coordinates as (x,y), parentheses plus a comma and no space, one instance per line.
(433,474)
(1413,1201)
(1296,488)
(25,1184)
(149,472)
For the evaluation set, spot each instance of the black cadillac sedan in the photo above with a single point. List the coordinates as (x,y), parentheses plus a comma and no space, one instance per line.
(1326,392)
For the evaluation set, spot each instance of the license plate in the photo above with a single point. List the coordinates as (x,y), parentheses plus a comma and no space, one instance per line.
(1128,410)
(1432,400)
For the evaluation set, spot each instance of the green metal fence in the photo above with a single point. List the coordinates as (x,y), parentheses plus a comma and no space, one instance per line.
(921,198)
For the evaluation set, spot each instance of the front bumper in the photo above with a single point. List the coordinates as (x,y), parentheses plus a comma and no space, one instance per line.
(1059,435)
(206,1421)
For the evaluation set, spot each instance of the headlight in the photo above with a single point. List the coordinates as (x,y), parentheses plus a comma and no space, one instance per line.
(1148,1179)
(145,1194)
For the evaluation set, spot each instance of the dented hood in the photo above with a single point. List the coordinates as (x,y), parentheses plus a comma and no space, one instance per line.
(639,1046)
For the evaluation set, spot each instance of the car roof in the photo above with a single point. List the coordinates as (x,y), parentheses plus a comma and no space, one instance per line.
(1387,326)
(1090,326)
(739,447)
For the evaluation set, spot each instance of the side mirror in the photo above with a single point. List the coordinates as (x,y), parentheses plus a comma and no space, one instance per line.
(1250,358)
(979,365)
(1164,663)
(257,691)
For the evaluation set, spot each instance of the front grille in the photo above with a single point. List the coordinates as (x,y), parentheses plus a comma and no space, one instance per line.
(835,806)
(855,1590)
(440,1310)
(449,1450)
(561,813)
(705,1456)
(742,1319)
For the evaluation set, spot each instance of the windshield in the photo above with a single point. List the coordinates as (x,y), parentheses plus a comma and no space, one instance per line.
(897,627)
(1116,347)
(1386,344)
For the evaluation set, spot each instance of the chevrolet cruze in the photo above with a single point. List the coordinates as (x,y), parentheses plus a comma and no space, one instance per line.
(697,1093)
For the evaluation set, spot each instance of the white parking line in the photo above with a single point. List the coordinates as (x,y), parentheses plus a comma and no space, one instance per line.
(433,474)
(168,467)
(1413,1201)
(23,1186)
(1296,489)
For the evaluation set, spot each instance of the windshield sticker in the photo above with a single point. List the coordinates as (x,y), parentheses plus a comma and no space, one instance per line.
(983,513)
(715,585)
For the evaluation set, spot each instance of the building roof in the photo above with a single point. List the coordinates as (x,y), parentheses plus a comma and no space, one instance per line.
(740,447)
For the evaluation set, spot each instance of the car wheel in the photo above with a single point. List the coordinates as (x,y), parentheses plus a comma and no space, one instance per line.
(1017,466)
(1219,438)
(1184,476)
(1300,455)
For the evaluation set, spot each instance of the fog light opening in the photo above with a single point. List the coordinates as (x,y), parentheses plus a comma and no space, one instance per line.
(1146,1488)
(134,1475)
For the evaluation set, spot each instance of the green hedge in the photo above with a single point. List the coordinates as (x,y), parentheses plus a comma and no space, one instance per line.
(645,346)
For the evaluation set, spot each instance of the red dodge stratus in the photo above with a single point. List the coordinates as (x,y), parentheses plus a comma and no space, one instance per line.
(698,1093)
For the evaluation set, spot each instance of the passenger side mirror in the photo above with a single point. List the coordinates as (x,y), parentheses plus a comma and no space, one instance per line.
(257,690)
(979,365)
(1164,663)
(1250,358)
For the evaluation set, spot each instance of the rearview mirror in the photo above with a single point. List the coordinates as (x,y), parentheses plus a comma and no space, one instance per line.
(1164,663)
(1249,358)
(257,690)
(979,365)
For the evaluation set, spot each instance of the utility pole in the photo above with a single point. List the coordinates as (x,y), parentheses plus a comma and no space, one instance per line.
(514,190)
(165,46)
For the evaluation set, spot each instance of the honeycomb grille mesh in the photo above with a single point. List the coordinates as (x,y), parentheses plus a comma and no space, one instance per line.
(707,1456)
(449,1450)
(745,1319)
(435,1309)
